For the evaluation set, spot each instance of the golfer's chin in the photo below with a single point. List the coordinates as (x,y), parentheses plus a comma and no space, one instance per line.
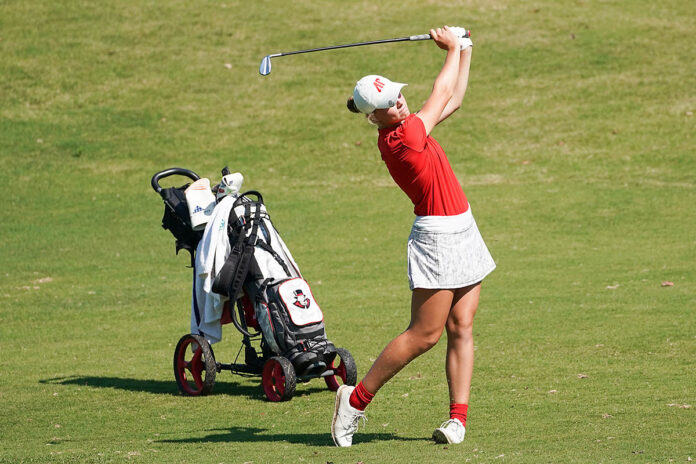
(399,117)
(392,117)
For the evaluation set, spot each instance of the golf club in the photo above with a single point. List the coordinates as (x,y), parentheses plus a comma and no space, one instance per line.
(265,68)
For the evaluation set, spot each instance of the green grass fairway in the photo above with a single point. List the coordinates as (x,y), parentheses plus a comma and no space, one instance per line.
(575,145)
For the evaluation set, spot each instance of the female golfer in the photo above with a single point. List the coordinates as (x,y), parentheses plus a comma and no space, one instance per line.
(447,258)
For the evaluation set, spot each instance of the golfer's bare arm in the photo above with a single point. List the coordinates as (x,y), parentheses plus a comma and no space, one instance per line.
(446,80)
(460,88)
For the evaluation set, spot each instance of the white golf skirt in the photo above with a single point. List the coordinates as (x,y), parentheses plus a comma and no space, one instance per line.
(447,252)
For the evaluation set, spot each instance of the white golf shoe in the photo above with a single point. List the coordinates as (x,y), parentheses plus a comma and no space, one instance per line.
(345,418)
(451,431)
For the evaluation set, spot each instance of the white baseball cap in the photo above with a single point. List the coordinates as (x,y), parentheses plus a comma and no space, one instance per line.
(376,92)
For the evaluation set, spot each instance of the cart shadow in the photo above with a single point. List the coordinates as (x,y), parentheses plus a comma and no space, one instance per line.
(120,383)
(169,387)
(257,435)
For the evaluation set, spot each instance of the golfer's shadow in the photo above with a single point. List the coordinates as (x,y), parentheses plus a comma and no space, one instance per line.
(258,435)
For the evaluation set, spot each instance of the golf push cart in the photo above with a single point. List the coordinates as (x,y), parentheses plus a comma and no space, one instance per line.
(267,300)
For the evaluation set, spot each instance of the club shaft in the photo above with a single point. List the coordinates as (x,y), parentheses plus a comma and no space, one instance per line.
(265,68)
(358,44)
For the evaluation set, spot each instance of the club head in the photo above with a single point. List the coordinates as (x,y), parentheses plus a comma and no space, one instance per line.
(265,68)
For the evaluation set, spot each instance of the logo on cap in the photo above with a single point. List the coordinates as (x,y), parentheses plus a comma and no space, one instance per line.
(379,85)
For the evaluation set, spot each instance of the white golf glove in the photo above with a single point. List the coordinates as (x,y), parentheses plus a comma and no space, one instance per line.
(458,31)
(465,42)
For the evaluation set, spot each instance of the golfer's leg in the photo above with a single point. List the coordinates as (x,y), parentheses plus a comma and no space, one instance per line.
(460,343)
(429,311)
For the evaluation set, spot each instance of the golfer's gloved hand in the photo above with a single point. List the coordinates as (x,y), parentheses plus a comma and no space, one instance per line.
(465,42)
(460,32)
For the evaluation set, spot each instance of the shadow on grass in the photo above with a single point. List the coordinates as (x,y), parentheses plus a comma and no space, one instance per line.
(169,387)
(136,385)
(257,435)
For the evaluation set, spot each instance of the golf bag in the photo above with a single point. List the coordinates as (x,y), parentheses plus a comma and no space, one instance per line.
(261,267)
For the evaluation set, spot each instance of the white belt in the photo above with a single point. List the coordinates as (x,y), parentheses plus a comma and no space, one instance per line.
(444,224)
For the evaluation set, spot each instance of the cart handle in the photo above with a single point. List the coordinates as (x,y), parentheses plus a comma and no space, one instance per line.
(171,172)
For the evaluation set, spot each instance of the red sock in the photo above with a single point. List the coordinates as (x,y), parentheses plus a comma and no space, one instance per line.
(360,397)
(458,411)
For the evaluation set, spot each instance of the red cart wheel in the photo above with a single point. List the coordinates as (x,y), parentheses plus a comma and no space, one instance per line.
(346,370)
(194,366)
(278,379)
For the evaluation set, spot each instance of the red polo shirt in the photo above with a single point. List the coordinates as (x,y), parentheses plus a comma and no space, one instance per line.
(418,164)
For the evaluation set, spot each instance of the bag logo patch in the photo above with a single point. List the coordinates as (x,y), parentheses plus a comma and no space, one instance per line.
(301,301)
(297,299)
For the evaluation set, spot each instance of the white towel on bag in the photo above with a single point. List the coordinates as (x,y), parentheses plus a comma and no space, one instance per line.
(212,251)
